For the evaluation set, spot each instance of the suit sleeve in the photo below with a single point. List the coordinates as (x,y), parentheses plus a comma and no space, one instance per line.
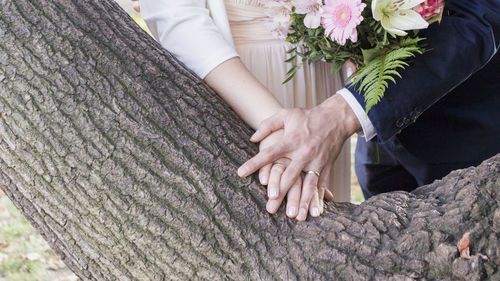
(460,45)
(186,29)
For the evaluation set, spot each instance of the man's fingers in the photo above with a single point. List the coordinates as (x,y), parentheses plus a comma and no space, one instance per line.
(262,158)
(324,176)
(291,174)
(264,173)
(328,195)
(273,205)
(268,126)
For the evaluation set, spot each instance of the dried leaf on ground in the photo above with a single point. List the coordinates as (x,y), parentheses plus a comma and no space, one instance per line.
(30,257)
(463,246)
(33,256)
(9,249)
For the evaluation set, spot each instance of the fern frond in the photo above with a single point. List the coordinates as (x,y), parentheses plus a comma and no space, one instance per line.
(373,78)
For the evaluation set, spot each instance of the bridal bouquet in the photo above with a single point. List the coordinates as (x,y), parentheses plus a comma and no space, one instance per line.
(378,40)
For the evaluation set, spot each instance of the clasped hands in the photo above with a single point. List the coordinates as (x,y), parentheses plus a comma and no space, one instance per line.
(295,146)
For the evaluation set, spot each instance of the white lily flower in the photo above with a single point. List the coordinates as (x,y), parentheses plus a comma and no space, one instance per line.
(397,15)
(312,10)
(278,21)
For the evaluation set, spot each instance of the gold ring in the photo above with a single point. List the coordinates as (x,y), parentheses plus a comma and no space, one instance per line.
(312,172)
(279,164)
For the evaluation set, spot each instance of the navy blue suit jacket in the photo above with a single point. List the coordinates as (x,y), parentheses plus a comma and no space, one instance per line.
(446,107)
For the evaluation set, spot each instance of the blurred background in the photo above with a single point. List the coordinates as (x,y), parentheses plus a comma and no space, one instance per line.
(25,256)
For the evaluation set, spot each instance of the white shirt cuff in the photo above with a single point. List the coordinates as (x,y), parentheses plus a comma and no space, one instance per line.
(367,126)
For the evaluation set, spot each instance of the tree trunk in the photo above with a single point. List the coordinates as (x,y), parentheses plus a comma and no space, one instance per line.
(126,163)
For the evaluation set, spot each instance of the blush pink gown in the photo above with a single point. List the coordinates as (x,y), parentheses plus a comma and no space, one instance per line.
(264,56)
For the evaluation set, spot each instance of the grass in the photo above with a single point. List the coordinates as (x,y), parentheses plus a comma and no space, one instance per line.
(24,255)
(138,19)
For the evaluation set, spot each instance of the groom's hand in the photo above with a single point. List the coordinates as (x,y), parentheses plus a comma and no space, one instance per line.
(312,139)
(270,175)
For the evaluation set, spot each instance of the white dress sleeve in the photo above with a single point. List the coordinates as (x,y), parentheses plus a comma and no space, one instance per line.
(185,29)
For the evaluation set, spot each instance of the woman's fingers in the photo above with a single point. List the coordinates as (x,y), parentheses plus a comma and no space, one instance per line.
(274,204)
(273,188)
(314,205)
(322,185)
(264,174)
(293,199)
(309,187)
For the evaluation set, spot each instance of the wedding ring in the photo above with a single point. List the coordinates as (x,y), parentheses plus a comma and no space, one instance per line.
(312,172)
(276,163)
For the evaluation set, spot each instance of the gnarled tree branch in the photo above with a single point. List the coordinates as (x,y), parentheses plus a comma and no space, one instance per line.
(125,162)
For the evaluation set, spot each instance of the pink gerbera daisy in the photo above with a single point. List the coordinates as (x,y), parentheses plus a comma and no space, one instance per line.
(340,19)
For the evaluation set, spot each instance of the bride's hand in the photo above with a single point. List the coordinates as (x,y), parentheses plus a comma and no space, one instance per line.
(312,140)
(270,175)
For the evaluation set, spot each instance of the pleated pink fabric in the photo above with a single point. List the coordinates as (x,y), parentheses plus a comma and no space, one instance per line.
(264,56)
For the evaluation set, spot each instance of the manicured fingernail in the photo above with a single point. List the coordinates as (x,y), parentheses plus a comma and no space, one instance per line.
(273,192)
(263,180)
(242,172)
(271,208)
(253,136)
(315,212)
(291,211)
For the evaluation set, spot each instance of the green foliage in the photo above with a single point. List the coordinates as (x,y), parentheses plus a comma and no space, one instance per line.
(377,56)
(312,45)
(138,19)
(373,77)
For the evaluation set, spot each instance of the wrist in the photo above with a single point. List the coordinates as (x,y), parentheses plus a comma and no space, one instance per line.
(243,92)
(338,108)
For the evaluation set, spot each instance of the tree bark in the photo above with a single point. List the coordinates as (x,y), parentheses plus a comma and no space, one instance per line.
(126,163)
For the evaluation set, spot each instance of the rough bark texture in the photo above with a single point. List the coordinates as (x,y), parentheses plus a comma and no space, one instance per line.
(125,162)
